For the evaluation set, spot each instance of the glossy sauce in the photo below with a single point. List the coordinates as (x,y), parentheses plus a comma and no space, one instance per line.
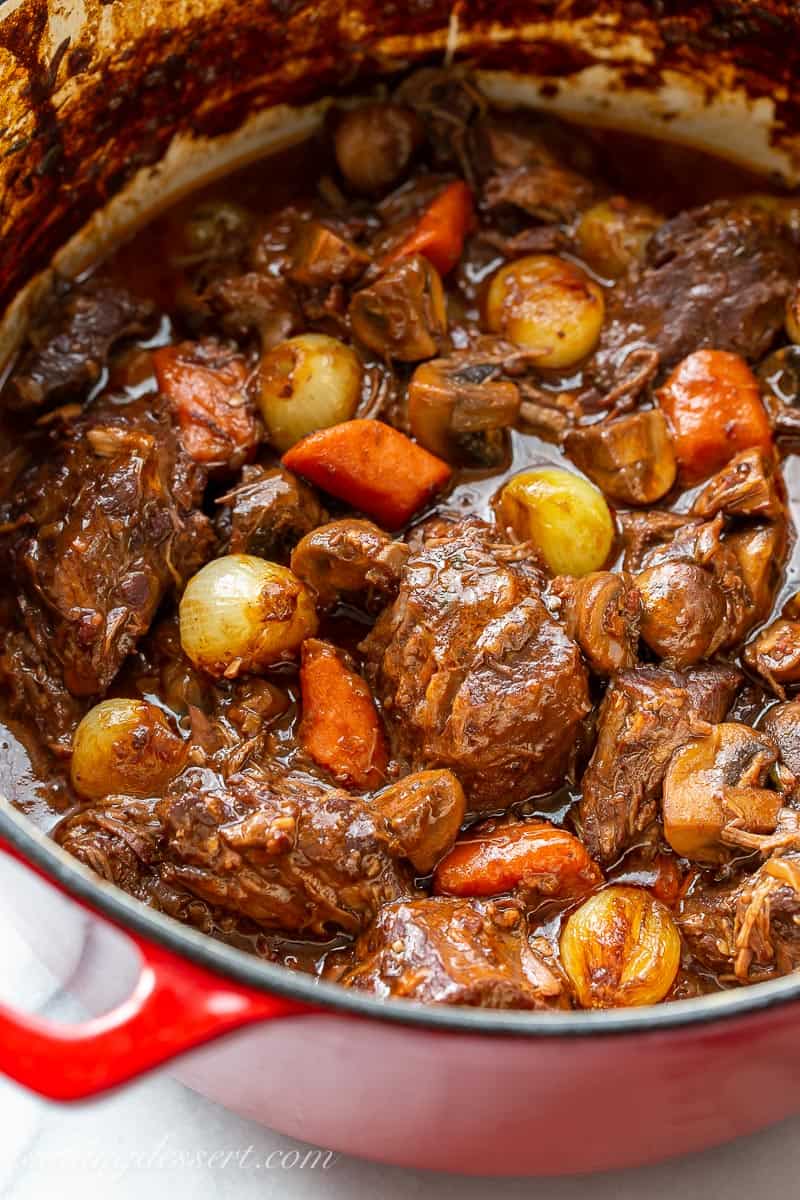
(152,265)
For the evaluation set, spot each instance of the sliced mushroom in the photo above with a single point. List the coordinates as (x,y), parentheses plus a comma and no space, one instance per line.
(601,612)
(780,375)
(775,654)
(268,511)
(459,409)
(426,811)
(782,724)
(374,144)
(349,558)
(746,487)
(759,551)
(630,458)
(320,256)
(716,784)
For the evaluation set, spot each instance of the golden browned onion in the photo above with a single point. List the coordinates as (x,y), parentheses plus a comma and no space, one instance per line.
(548,306)
(564,516)
(125,747)
(307,383)
(620,949)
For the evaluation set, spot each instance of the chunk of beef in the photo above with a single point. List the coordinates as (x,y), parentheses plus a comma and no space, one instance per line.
(503,142)
(350,559)
(100,530)
(535,239)
(711,689)
(716,276)
(646,715)
(473,673)
(447,951)
(288,853)
(268,512)
(529,165)
(119,840)
(402,314)
(70,343)
(749,929)
(601,612)
(546,191)
(281,850)
(254,303)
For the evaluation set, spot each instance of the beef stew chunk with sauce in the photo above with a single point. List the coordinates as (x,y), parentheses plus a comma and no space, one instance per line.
(399,563)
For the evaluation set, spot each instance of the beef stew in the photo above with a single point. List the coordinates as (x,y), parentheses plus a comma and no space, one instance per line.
(399,557)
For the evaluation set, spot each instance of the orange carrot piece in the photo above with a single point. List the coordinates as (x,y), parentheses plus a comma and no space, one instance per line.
(713,406)
(207,388)
(340,729)
(372,467)
(440,231)
(534,854)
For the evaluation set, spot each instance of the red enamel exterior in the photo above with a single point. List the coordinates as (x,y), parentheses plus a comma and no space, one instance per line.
(469,1097)
(456,1101)
(506,1106)
(173,1007)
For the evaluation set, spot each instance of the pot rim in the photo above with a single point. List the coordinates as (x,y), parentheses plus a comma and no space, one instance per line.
(127,913)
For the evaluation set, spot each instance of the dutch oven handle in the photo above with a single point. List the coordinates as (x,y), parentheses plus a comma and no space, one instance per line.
(174,1006)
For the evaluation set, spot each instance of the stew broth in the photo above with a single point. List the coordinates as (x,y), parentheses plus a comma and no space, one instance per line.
(174,266)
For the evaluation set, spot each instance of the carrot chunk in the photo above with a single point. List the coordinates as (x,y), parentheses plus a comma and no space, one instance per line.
(206,385)
(439,233)
(372,467)
(535,855)
(340,729)
(713,405)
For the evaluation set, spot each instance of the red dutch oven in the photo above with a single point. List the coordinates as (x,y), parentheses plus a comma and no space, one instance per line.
(116,110)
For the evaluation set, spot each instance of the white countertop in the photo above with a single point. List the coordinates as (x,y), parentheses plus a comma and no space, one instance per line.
(142,1143)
